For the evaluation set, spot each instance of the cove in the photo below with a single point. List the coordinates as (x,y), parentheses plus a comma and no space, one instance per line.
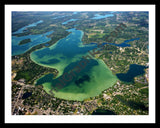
(21,30)
(64,56)
(134,70)
(35,40)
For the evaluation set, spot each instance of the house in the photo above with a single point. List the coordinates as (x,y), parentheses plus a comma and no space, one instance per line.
(21,80)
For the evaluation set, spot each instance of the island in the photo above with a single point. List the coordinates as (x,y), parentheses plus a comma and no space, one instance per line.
(25,41)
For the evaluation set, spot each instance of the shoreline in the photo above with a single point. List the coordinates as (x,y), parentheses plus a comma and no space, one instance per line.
(88,54)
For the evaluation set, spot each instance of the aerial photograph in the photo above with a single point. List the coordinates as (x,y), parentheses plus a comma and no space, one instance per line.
(80,63)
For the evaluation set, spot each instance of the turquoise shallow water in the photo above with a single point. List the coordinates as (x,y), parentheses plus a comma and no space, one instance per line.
(97,16)
(92,77)
(65,51)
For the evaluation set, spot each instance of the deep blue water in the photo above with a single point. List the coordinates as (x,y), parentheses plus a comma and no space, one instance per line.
(46,44)
(103,112)
(46,78)
(69,48)
(26,95)
(134,70)
(124,44)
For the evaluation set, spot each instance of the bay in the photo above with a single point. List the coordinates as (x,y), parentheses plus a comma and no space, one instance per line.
(64,56)
(35,40)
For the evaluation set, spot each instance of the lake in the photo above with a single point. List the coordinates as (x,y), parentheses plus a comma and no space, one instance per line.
(103,112)
(134,70)
(124,44)
(66,54)
(35,40)
(66,22)
(21,30)
(26,95)
(98,16)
